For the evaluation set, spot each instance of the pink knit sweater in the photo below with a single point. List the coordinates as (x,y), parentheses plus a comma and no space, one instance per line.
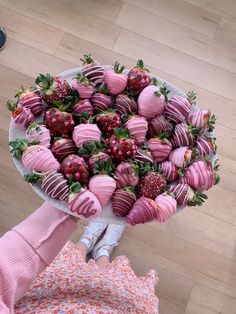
(28,248)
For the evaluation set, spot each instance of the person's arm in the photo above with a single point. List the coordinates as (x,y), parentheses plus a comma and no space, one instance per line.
(28,248)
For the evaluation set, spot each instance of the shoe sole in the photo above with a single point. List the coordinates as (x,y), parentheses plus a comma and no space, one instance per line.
(5,33)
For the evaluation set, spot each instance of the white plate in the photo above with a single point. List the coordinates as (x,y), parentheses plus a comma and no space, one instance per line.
(107,213)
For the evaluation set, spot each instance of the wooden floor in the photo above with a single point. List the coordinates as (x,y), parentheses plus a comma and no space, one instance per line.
(192,44)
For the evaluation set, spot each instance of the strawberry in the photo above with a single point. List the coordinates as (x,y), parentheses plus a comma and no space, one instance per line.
(93,70)
(169,170)
(126,174)
(185,195)
(37,132)
(202,119)
(151,101)
(159,125)
(144,155)
(101,101)
(182,156)
(177,109)
(107,121)
(83,202)
(122,201)
(83,106)
(115,80)
(22,116)
(53,88)
(206,146)
(83,86)
(160,147)
(184,135)
(143,210)
(138,77)
(102,185)
(120,146)
(62,148)
(74,168)
(125,104)
(137,127)
(30,98)
(85,133)
(34,157)
(167,207)
(53,184)
(151,185)
(58,121)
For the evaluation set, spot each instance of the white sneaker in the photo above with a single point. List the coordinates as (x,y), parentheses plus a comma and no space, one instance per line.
(91,234)
(109,241)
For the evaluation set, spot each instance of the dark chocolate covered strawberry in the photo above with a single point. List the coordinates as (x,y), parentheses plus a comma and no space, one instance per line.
(122,201)
(107,121)
(74,168)
(151,185)
(92,69)
(30,98)
(138,77)
(62,148)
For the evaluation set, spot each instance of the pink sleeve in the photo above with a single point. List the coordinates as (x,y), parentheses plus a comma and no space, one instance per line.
(28,248)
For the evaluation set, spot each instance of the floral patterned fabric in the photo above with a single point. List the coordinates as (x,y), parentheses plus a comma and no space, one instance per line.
(71,286)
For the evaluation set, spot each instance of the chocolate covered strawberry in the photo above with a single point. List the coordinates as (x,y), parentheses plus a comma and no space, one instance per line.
(53,88)
(169,170)
(62,148)
(122,201)
(74,168)
(183,155)
(83,86)
(159,125)
(144,210)
(206,146)
(102,185)
(125,104)
(167,207)
(151,185)
(137,127)
(85,133)
(52,183)
(202,119)
(83,106)
(138,77)
(120,145)
(38,132)
(177,109)
(107,121)
(185,195)
(34,157)
(58,121)
(126,174)
(115,80)
(22,116)
(101,101)
(144,155)
(184,135)
(30,98)
(160,147)
(92,69)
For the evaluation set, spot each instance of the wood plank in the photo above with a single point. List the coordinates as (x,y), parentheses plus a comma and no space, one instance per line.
(226,31)
(168,307)
(171,61)
(177,37)
(194,308)
(29,31)
(180,12)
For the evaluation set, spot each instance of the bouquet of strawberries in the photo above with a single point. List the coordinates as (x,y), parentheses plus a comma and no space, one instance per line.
(115,136)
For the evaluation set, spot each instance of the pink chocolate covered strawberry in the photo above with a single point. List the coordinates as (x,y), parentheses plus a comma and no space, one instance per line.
(126,174)
(160,148)
(125,104)
(159,125)
(122,201)
(169,170)
(74,168)
(185,195)
(85,133)
(203,119)
(83,106)
(167,207)
(34,157)
(83,86)
(115,80)
(101,101)
(102,185)
(53,88)
(137,127)
(30,98)
(184,135)
(63,147)
(144,155)
(138,77)
(92,69)
(183,155)
(177,109)
(22,116)
(206,146)
(143,210)
(38,132)
(107,121)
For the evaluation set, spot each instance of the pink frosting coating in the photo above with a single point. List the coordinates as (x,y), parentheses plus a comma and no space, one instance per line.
(180,156)
(177,109)
(33,102)
(103,186)
(101,102)
(143,210)
(39,158)
(182,136)
(160,151)
(182,192)
(24,118)
(138,127)
(83,106)
(169,170)
(150,105)
(39,133)
(84,133)
(85,90)
(94,72)
(167,206)
(199,118)
(125,175)
(204,147)
(116,82)
(85,204)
